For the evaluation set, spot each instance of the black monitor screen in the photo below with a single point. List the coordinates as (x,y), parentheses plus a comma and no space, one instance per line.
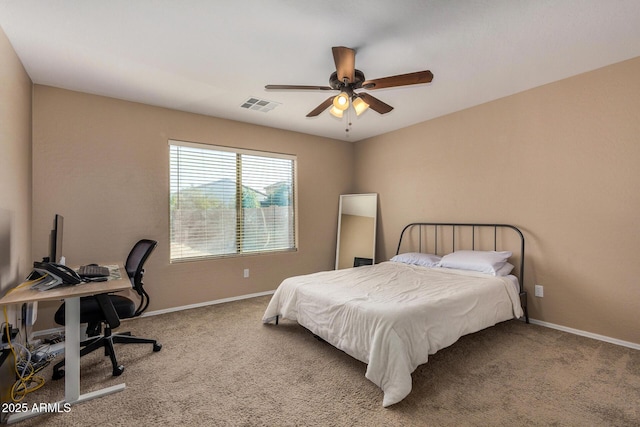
(55,252)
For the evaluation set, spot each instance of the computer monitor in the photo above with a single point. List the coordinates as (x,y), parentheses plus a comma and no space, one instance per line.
(55,248)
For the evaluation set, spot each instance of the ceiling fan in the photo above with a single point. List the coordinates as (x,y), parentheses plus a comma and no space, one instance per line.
(347,80)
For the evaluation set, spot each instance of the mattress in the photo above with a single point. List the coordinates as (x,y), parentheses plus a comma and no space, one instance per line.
(392,316)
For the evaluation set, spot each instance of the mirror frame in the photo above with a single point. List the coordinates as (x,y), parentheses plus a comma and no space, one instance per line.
(363,205)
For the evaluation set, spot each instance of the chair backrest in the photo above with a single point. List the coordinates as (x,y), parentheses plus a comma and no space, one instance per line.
(135,269)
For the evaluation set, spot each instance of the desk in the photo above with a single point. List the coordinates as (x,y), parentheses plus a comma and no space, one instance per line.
(71,296)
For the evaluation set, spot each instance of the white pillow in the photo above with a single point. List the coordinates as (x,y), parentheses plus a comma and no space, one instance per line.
(416,258)
(489,262)
(505,270)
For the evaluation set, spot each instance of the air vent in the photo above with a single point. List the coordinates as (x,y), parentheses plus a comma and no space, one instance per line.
(259,105)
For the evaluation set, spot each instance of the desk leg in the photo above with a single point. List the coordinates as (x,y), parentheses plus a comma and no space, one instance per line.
(72,349)
(72,357)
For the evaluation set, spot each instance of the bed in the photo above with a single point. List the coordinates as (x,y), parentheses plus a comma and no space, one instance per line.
(446,280)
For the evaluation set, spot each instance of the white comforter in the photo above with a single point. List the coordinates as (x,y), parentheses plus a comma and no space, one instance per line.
(392,316)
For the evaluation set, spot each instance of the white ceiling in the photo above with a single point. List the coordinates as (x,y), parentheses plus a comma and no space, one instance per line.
(208,57)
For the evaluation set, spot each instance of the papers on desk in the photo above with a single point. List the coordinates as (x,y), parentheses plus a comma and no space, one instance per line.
(114,272)
(46,282)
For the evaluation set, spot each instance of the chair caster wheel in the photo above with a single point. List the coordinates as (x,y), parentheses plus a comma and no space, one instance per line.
(118,371)
(157,347)
(58,374)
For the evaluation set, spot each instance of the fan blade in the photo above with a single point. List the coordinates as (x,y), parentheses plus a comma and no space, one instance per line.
(416,78)
(320,108)
(297,87)
(345,59)
(375,104)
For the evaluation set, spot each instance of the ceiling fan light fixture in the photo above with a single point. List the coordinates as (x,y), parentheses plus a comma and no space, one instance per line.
(347,79)
(341,101)
(336,112)
(359,105)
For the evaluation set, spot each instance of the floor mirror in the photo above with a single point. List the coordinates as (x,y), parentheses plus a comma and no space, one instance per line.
(356,243)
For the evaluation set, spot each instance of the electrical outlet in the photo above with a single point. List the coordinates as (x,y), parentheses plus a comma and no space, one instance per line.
(246,273)
(539,291)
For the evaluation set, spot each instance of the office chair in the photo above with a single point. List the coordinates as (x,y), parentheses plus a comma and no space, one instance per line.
(108,309)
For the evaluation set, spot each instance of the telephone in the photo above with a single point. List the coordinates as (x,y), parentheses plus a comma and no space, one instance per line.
(50,275)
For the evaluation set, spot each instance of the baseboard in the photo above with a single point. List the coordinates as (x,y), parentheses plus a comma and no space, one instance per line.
(204,304)
(586,334)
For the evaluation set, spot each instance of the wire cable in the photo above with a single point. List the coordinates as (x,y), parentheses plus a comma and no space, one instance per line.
(24,369)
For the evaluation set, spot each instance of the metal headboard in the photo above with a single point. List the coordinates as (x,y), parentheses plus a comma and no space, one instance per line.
(428,233)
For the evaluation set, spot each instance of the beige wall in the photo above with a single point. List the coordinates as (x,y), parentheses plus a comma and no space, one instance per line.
(560,161)
(15,185)
(15,168)
(103,164)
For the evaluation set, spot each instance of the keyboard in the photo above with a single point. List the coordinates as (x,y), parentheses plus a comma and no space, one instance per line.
(93,271)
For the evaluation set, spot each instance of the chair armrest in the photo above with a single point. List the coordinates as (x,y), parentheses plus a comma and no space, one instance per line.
(108,310)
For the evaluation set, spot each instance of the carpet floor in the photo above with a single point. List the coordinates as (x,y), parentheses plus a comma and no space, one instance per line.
(220,366)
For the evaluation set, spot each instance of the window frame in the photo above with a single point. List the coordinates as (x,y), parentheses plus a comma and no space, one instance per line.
(239,223)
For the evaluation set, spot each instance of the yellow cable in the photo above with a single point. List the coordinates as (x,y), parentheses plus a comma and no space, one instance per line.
(28,282)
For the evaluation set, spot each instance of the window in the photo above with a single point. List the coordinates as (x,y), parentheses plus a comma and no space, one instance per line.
(226,201)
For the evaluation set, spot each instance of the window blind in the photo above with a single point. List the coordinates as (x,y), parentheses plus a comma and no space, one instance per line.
(226,201)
